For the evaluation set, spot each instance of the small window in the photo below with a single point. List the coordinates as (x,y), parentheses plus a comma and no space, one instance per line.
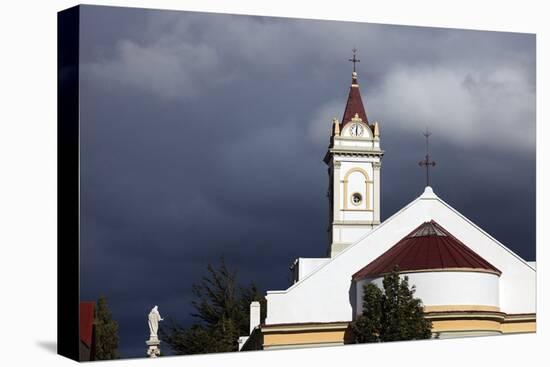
(356,198)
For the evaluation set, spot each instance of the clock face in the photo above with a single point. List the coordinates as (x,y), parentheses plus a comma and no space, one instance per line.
(356,130)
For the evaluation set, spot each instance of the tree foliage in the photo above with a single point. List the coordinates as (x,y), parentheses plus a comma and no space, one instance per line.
(221,313)
(392,314)
(106,332)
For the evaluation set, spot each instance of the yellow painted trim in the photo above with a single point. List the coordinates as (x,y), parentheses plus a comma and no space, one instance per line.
(303,337)
(448,308)
(466,315)
(337,332)
(306,327)
(521,317)
(486,325)
(464,325)
(519,327)
(345,181)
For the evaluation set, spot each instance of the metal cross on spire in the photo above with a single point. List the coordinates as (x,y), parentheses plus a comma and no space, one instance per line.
(354,59)
(427,162)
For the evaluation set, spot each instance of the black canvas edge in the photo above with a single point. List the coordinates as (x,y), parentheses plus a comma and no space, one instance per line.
(68,183)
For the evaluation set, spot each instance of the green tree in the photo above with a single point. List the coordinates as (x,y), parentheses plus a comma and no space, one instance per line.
(221,312)
(392,314)
(106,332)
(366,328)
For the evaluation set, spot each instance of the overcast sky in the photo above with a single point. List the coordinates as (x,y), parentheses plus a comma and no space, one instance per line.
(203,135)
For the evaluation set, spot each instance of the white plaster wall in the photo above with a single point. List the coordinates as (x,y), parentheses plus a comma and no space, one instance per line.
(518,279)
(352,215)
(445,288)
(351,234)
(307,265)
(326,294)
(353,160)
(357,143)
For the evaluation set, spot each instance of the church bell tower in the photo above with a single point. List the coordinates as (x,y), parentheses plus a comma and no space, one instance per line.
(354,161)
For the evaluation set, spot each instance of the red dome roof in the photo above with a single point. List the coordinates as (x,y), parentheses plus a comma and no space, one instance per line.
(428,247)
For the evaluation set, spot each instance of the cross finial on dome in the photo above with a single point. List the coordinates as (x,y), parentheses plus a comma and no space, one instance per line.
(427,162)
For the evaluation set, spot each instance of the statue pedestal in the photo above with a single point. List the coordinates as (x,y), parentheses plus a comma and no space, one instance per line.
(154,350)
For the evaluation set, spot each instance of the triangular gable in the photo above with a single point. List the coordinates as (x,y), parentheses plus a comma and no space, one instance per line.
(330,283)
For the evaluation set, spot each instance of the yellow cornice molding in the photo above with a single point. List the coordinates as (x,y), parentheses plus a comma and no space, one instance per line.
(342,325)
(447,308)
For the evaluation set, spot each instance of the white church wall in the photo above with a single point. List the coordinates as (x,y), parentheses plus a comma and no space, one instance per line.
(327,295)
(352,161)
(356,215)
(518,279)
(356,143)
(351,234)
(446,288)
(353,221)
(307,265)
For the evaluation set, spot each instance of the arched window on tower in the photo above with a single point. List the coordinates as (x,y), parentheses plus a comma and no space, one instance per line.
(357,190)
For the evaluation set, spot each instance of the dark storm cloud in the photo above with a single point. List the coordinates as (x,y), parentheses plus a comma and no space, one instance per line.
(203,134)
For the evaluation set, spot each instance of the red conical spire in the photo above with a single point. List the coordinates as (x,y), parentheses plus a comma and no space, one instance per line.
(354,104)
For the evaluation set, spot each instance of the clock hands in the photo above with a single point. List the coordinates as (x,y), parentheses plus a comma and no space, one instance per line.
(356,130)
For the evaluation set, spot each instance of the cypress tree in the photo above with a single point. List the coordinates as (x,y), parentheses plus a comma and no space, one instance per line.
(368,326)
(106,332)
(392,314)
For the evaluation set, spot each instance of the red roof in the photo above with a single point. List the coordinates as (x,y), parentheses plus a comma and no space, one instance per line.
(86,322)
(354,104)
(428,247)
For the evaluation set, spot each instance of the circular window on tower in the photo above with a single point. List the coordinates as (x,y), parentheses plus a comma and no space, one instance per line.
(356,198)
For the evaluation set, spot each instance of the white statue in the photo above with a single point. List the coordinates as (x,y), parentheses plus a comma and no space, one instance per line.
(154,318)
